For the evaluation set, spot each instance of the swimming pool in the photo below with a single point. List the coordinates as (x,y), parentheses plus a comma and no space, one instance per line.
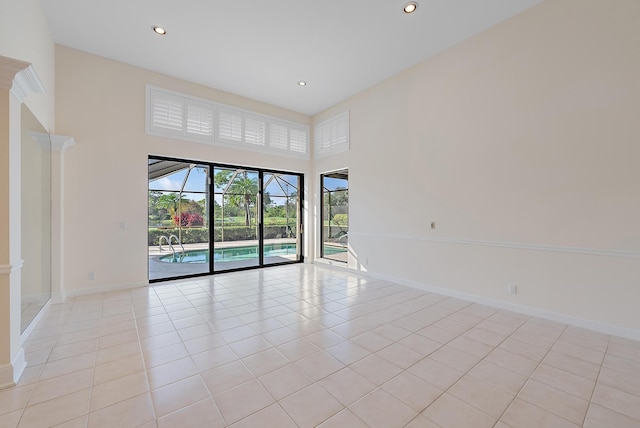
(235,253)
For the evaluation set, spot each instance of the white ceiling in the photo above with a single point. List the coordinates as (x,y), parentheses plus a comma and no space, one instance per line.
(260,49)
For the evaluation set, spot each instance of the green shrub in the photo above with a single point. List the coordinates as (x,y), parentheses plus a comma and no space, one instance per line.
(235,233)
(194,235)
(341,219)
(190,235)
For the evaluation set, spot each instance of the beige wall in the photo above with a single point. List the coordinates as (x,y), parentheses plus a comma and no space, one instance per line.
(25,35)
(101,103)
(522,145)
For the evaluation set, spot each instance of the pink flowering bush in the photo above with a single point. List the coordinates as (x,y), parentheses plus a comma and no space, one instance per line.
(188,219)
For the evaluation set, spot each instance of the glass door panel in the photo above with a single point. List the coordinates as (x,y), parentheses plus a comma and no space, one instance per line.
(35,236)
(178,228)
(335,215)
(281,225)
(236,218)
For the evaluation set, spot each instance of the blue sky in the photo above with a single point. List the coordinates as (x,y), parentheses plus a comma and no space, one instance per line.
(197,183)
(334,183)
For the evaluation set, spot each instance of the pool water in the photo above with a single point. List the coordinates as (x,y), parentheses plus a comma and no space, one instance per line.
(235,253)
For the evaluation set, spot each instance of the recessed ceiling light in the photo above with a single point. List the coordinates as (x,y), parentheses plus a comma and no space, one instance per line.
(410,7)
(159,30)
(302,83)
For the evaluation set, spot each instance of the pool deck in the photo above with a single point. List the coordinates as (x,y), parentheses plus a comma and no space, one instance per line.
(158,269)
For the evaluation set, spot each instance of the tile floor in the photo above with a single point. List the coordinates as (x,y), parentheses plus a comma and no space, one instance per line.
(304,346)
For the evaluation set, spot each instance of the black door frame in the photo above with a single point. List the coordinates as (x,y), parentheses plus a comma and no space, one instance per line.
(261,172)
(331,174)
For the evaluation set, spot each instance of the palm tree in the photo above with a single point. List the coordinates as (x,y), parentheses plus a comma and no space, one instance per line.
(239,188)
(241,192)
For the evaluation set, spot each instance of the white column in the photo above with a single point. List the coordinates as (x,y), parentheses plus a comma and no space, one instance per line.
(17,79)
(59,145)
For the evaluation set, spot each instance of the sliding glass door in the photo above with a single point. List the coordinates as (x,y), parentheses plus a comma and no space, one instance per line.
(178,228)
(206,218)
(281,226)
(236,215)
(335,215)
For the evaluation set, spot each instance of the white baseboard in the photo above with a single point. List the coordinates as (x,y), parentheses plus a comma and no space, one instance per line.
(598,326)
(496,303)
(57,297)
(522,309)
(11,373)
(34,298)
(32,325)
(104,289)
(334,265)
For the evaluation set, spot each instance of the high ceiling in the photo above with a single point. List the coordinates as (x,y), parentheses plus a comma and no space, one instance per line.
(260,49)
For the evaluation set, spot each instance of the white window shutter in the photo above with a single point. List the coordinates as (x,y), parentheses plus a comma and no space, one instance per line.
(298,141)
(229,125)
(174,115)
(332,136)
(166,111)
(199,120)
(255,131)
(278,137)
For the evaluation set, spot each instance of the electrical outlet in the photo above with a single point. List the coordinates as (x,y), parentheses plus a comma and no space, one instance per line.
(512,289)
(92,275)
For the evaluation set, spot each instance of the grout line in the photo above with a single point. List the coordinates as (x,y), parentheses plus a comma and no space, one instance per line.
(93,371)
(44,365)
(534,370)
(312,292)
(144,363)
(529,378)
(595,383)
(475,365)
